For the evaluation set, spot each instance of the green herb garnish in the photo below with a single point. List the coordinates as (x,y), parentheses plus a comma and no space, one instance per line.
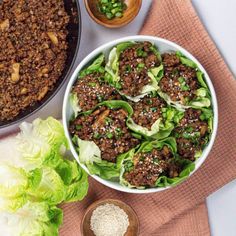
(97,135)
(78,127)
(109,135)
(141,53)
(181,80)
(112,8)
(153,109)
(100,98)
(108,121)
(128,68)
(141,65)
(92,84)
(129,166)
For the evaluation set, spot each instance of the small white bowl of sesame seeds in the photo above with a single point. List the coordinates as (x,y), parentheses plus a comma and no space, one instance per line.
(109,217)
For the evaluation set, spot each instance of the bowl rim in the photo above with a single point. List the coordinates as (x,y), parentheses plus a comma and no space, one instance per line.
(55,92)
(118,25)
(156,40)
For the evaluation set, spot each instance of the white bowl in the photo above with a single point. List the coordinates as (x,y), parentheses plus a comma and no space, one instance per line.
(163,46)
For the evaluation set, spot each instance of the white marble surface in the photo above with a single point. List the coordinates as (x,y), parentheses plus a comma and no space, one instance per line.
(220,20)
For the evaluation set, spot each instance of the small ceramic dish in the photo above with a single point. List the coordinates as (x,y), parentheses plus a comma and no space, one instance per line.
(133,229)
(133,7)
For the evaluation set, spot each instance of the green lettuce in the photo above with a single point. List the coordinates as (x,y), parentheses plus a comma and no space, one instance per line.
(36,175)
(11,204)
(16,181)
(161,128)
(90,154)
(203,98)
(32,219)
(51,188)
(96,66)
(75,180)
(163,181)
(74,102)
(187,166)
(112,68)
(40,143)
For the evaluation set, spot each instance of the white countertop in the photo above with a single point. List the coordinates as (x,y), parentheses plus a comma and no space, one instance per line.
(220,21)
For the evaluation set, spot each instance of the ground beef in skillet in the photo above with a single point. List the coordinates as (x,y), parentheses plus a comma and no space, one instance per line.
(190,134)
(133,66)
(150,165)
(107,128)
(91,90)
(147,110)
(33,51)
(179,81)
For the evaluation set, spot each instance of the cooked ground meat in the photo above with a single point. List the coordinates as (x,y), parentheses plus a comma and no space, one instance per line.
(133,67)
(32,52)
(148,166)
(107,128)
(147,111)
(190,134)
(91,90)
(179,81)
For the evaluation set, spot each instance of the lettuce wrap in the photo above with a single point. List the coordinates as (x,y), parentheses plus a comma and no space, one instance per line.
(202,96)
(161,179)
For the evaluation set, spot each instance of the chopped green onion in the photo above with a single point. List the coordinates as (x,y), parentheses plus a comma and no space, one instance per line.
(127,68)
(92,84)
(109,135)
(155,160)
(119,14)
(108,120)
(118,130)
(97,135)
(100,98)
(181,79)
(78,127)
(141,65)
(185,87)
(112,8)
(153,109)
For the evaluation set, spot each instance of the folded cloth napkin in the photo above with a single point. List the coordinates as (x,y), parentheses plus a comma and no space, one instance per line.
(180,210)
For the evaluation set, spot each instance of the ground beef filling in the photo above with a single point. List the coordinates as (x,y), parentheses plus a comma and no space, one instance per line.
(179,81)
(147,111)
(148,166)
(91,90)
(107,128)
(33,51)
(133,67)
(190,134)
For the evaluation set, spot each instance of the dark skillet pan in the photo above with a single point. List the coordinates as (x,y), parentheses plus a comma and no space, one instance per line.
(74,28)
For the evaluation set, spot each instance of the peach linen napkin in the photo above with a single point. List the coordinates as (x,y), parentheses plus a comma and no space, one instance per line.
(181,210)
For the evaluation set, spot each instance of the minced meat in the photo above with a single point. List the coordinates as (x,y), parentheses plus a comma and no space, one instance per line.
(33,51)
(179,81)
(190,134)
(107,128)
(148,166)
(148,110)
(133,67)
(92,90)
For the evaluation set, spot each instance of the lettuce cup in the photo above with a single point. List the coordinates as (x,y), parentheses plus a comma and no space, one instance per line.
(155,164)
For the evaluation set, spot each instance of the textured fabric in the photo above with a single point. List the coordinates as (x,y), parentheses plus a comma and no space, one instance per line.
(180,210)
